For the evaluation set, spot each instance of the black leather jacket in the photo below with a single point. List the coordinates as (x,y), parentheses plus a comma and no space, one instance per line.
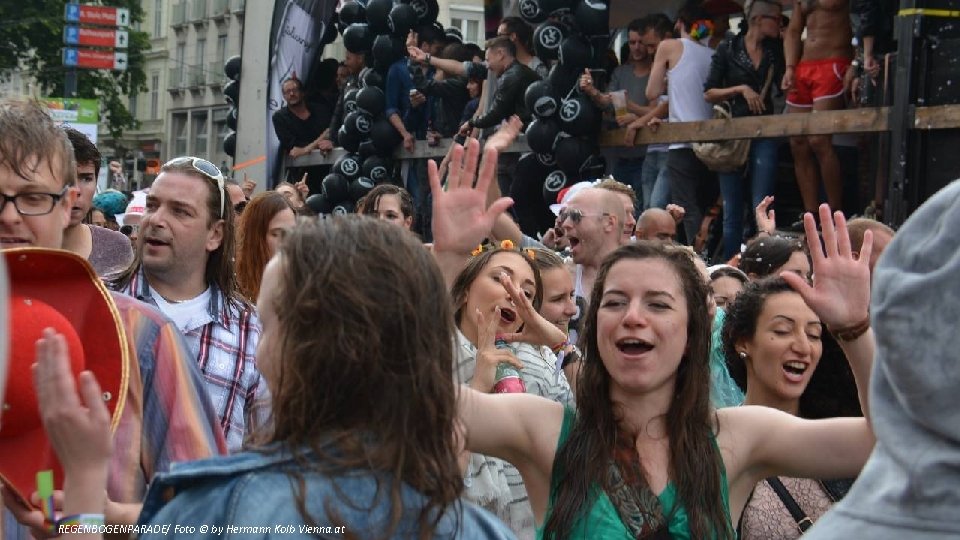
(508,99)
(731,66)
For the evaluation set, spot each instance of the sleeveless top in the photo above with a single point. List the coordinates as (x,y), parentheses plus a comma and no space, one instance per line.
(685,87)
(603,521)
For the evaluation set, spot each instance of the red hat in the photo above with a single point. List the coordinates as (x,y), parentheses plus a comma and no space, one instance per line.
(58,289)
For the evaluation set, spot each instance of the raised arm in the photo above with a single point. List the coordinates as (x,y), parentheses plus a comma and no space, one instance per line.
(657,83)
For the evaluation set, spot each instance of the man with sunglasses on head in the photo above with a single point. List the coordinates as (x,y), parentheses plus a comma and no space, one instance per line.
(184,267)
(107,251)
(167,416)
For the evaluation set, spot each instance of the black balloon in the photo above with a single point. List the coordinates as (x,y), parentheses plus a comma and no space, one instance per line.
(371,100)
(230,144)
(319,204)
(343,208)
(532,11)
(541,134)
(360,187)
(358,38)
(336,188)
(376,168)
(579,116)
(594,167)
(547,39)
(352,12)
(350,100)
(232,118)
(563,79)
(231,92)
(575,53)
(349,140)
(387,49)
(370,77)
(378,13)
(592,17)
(401,20)
(571,154)
(552,185)
(541,100)
(348,166)
(385,137)
(426,10)
(359,122)
(366,149)
(231,68)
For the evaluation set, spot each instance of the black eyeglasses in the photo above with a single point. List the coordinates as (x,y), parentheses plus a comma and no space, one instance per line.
(576,215)
(238,208)
(33,204)
(205,168)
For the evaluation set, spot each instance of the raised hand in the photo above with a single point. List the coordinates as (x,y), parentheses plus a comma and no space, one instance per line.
(505,134)
(840,294)
(461,218)
(536,330)
(766,219)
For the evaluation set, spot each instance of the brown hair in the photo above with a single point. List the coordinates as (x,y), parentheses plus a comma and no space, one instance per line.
(695,461)
(252,251)
(219,269)
(616,186)
(367,205)
(545,259)
(476,265)
(504,44)
(84,151)
(858,226)
(405,434)
(28,134)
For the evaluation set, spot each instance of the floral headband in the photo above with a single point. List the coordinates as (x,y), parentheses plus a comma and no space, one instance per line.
(504,245)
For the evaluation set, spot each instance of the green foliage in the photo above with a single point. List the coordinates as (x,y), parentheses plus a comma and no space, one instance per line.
(31,40)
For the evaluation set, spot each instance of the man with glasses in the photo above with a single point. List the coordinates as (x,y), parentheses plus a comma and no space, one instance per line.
(107,251)
(167,416)
(185,268)
(592,222)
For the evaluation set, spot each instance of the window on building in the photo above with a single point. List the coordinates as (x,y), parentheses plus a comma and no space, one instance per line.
(220,129)
(222,49)
(200,133)
(181,60)
(179,132)
(201,50)
(132,105)
(158,18)
(155,95)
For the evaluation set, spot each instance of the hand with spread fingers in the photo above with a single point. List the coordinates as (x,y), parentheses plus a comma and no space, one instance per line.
(488,355)
(840,294)
(536,330)
(461,218)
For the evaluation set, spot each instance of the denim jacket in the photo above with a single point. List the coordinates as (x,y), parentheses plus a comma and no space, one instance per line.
(250,495)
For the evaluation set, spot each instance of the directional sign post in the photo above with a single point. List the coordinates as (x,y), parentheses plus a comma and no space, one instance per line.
(100,15)
(95,37)
(94,59)
(93,26)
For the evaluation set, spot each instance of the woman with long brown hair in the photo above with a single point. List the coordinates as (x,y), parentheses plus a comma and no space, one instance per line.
(265,220)
(363,441)
(644,453)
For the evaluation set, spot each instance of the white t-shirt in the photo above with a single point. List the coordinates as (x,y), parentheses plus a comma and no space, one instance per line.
(188,314)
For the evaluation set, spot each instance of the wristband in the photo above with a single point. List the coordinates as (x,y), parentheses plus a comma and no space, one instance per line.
(427,59)
(559,347)
(86,523)
(851,333)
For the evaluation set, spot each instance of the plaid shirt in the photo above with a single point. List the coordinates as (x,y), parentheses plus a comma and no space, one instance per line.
(167,417)
(223,343)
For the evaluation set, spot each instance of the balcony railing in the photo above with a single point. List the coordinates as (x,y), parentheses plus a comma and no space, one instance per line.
(215,74)
(195,76)
(176,79)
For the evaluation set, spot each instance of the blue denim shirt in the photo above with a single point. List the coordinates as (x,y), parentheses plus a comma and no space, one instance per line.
(399,84)
(250,495)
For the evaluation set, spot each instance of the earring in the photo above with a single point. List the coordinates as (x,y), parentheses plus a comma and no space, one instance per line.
(743,355)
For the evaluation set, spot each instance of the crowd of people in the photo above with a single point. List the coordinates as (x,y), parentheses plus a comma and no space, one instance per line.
(277,372)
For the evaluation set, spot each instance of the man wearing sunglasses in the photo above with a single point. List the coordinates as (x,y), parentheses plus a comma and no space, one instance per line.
(592,222)
(185,268)
(167,416)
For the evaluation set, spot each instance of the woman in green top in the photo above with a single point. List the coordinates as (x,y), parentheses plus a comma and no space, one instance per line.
(646,453)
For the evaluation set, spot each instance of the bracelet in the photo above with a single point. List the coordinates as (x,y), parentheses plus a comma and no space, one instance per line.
(851,333)
(559,346)
(427,59)
(82,523)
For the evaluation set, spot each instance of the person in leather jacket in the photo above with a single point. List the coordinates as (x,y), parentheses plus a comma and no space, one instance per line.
(741,68)
(513,80)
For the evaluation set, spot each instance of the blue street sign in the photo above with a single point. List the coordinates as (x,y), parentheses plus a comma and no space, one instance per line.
(72,13)
(71,35)
(69,57)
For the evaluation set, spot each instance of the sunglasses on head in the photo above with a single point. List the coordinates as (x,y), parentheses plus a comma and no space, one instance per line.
(576,216)
(205,168)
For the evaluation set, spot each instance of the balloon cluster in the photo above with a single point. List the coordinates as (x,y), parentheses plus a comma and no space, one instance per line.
(566,122)
(377,28)
(231,94)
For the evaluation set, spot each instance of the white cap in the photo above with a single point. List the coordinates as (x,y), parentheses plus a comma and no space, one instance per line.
(568,194)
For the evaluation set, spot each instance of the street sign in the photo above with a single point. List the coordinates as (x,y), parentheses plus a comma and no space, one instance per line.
(102,15)
(95,37)
(93,59)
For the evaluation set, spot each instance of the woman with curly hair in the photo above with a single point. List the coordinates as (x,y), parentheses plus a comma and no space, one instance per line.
(774,344)
(265,220)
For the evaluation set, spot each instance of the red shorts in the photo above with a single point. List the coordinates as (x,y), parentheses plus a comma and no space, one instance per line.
(817,79)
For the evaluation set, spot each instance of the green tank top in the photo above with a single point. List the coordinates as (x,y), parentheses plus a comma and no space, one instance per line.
(603,521)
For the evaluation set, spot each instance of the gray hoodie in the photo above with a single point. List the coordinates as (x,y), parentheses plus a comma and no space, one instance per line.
(910,486)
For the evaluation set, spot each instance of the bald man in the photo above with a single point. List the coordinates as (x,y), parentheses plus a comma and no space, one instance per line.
(592,221)
(656,224)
